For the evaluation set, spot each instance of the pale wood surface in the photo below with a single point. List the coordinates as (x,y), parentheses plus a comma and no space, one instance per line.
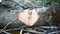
(28,17)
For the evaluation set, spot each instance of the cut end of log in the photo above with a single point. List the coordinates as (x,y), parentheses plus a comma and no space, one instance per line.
(28,17)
